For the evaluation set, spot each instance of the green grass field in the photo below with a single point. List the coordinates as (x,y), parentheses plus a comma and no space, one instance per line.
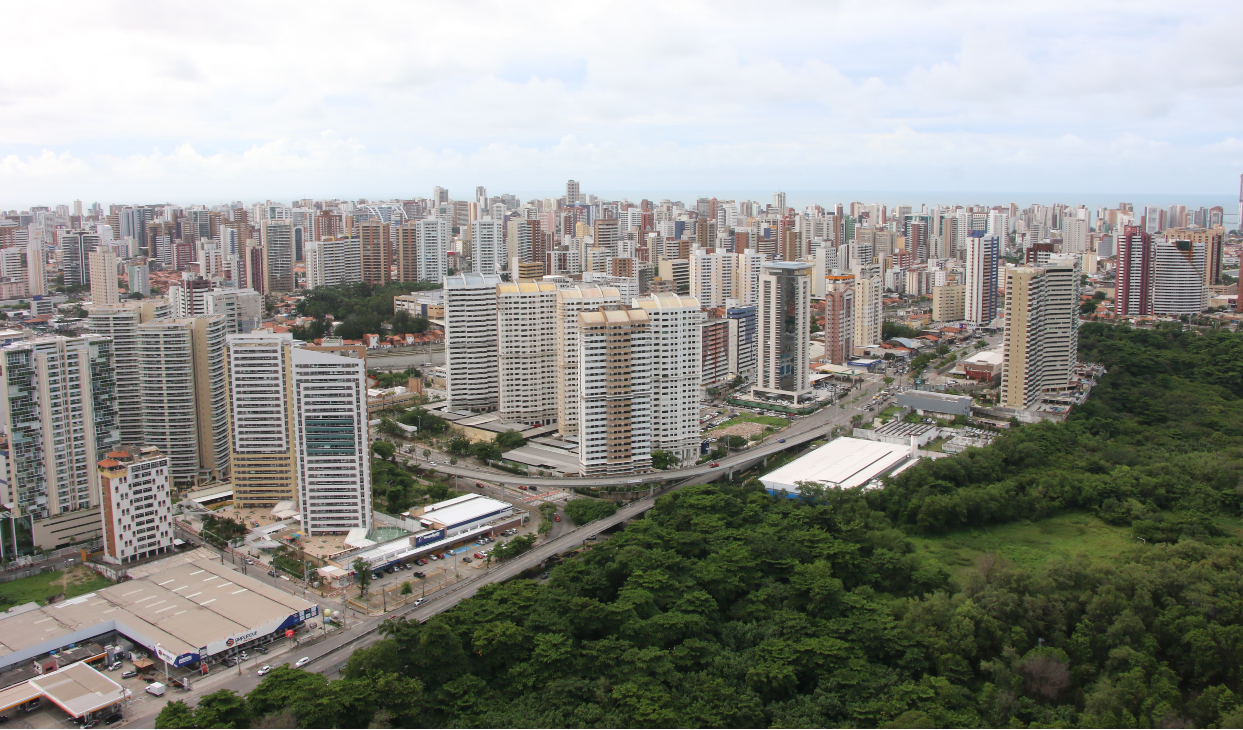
(39,588)
(1029,544)
(888,413)
(748,418)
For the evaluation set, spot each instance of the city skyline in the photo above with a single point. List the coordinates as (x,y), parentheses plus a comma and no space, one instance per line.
(1011,96)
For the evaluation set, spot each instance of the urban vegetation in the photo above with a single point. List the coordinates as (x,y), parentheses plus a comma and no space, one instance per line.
(726,606)
(358,309)
(582,511)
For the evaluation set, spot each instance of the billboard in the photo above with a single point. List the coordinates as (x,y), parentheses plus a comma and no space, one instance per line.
(430,536)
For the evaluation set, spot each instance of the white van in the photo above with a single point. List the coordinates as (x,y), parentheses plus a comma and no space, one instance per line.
(156,689)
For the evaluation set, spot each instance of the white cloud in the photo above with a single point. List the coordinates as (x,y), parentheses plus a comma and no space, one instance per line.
(728,95)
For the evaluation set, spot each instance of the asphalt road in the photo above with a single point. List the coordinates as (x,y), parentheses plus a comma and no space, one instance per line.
(329,655)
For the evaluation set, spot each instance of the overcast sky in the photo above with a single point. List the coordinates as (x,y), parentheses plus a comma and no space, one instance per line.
(207,102)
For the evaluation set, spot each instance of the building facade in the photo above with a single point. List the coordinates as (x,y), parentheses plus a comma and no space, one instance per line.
(839,318)
(119,322)
(137,496)
(785,331)
(527,352)
(333,261)
(569,304)
(614,397)
(983,255)
(471,341)
(677,350)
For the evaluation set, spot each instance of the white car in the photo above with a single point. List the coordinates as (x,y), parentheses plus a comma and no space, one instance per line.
(264,670)
(302,662)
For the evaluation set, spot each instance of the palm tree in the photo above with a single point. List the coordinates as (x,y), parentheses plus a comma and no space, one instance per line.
(363,571)
(391,626)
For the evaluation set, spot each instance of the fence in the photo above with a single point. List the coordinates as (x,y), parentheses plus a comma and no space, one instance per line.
(28,565)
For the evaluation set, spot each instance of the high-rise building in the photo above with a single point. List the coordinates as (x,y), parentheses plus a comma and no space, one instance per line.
(376,250)
(103,265)
(1134,283)
(676,344)
(784,331)
(120,323)
(569,304)
(261,416)
(1213,240)
(1041,341)
(331,454)
(606,235)
(527,352)
(572,193)
(983,254)
(949,303)
(487,246)
(333,261)
(433,248)
(277,258)
(137,497)
(839,313)
(869,303)
(712,276)
(471,341)
(139,278)
(743,334)
(406,251)
(59,411)
(614,396)
(1178,277)
(747,272)
(185,405)
(75,248)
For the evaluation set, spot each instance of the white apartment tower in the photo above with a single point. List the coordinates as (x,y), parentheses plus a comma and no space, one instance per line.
(137,496)
(983,254)
(785,331)
(185,405)
(261,415)
(59,411)
(120,323)
(104,288)
(1178,277)
(471,341)
(432,242)
(677,361)
(487,246)
(712,276)
(527,352)
(749,266)
(334,261)
(331,449)
(569,304)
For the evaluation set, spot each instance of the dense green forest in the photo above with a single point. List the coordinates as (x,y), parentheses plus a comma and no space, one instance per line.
(359,309)
(727,607)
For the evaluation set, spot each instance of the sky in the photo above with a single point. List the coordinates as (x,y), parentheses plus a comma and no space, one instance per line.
(211,102)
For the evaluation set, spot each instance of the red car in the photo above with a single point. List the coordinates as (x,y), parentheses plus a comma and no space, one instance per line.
(481,556)
(523,487)
(556,518)
(715,464)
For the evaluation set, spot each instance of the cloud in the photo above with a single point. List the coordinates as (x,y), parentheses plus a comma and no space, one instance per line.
(1014,95)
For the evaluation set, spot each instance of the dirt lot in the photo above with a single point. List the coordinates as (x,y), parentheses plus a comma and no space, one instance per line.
(740,429)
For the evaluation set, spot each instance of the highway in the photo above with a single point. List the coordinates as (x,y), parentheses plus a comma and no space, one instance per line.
(329,655)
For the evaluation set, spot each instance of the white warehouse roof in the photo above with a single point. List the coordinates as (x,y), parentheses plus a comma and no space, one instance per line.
(843,462)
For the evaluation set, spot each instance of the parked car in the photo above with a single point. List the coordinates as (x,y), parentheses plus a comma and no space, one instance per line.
(376,576)
(114,666)
(245,656)
(435,557)
(419,574)
(467,559)
(302,662)
(263,670)
(129,674)
(479,555)
(556,518)
(272,573)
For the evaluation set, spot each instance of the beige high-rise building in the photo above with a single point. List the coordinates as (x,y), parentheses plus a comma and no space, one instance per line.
(677,362)
(527,352)
(1040,347)
(120,322)
(614,392)
(868,304)
(277,258)
(185,404)
(949,303)
(569,304)
(406,250)
(104,288)
(261,414)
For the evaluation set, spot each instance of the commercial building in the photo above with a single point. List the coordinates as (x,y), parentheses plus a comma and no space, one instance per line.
(844,463)
(785,331)
(569,304)
(839,318)
(103,265)
(137,496)
(615,402)
(983,255)
(331,450)
(436,528)
(471,341)
(931,401)
(182,614)
(184,394)
(120,323)
(1178,277)
(676,347)
(333,261)
(1041,340)
(59,411)
(949,303)
(527,352)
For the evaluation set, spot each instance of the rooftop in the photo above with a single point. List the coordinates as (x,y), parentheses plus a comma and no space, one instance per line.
(844,462)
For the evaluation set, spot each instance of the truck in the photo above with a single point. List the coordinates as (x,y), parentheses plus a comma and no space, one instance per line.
(156,689)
